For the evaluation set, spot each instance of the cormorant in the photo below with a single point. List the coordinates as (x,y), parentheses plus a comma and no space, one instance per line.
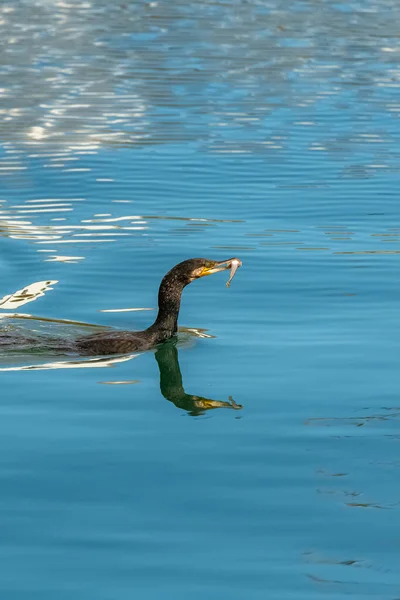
(166,323)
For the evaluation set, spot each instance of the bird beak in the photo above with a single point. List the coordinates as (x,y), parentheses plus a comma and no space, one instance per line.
(223,265)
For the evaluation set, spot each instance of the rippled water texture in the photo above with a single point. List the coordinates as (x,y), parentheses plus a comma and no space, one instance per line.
(258,456)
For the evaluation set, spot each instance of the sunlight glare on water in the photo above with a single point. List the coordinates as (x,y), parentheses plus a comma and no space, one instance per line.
(257,458)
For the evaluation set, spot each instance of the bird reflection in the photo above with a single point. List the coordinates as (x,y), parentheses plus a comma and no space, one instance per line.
(171,385)
(20,345)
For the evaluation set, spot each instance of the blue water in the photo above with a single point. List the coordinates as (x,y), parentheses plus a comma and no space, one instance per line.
(134,136)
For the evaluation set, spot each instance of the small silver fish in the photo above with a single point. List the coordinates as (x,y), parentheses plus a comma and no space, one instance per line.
(235,264)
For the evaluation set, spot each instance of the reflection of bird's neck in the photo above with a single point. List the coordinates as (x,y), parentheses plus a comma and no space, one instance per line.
(170,374)
(171,385)
(169,302)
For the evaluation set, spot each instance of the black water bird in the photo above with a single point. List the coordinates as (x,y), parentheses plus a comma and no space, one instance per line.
(166,323)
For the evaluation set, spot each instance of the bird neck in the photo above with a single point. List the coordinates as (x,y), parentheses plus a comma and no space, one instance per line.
(169,303)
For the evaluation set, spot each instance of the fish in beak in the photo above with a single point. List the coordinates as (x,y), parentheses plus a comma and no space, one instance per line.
(232,263)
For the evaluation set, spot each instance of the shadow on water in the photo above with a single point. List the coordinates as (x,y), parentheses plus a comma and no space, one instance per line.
(171,385)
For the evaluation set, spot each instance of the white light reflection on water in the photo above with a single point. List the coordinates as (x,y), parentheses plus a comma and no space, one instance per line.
(89,363)
(28,294)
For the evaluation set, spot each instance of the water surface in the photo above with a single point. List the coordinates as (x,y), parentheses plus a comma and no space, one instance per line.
(257,457)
